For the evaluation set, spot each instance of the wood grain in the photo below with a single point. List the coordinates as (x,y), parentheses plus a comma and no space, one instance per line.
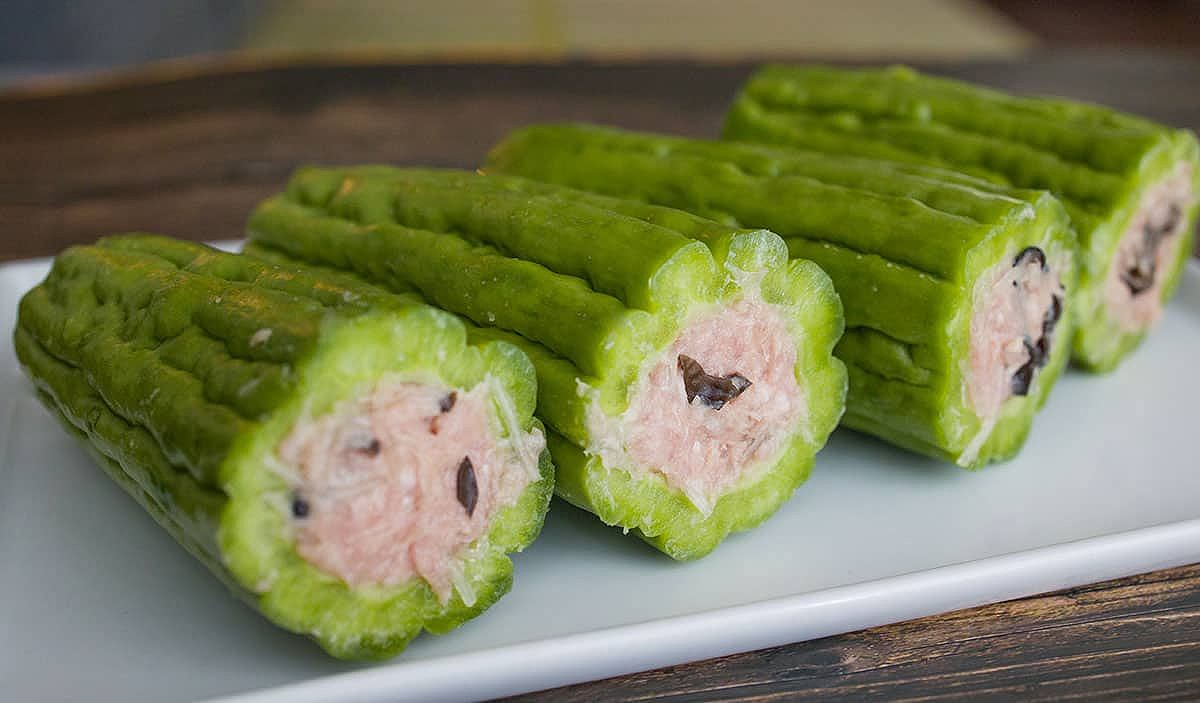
(188,150)
(1170,23)
(1133,639)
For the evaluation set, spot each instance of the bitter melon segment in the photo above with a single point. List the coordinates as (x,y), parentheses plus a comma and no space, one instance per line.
(955,291)
(1132,187)
(685,367)
(348,460)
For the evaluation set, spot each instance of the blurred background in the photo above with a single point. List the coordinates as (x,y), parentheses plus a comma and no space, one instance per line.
(41,38)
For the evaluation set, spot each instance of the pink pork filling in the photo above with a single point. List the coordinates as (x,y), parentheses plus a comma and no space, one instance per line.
(397,483)
(1012,329)
(721,399)
(1133,289)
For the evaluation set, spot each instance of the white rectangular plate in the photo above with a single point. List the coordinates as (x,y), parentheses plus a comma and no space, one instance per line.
(98,604)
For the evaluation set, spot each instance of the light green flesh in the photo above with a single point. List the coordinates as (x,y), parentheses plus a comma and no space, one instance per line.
(367,622)
(663,516)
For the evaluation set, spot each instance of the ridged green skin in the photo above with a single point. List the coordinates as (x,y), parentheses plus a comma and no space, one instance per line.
(1096,160)
(142,346)
(590,288)
(903,244)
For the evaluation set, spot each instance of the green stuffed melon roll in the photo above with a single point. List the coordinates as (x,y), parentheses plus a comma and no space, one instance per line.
(1131,186)
(954,291)
(351,462)
(685,368)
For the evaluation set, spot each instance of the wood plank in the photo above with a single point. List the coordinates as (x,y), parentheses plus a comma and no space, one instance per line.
(188,150)
(1171,23)
(1131,638)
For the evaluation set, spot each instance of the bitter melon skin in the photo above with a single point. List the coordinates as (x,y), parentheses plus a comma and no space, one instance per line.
(904,245)
(1098,161)
(146,349)
(589,288)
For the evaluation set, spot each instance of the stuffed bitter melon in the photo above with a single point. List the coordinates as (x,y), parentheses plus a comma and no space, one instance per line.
(348,460)
(687,384)
(1132,187)
(954,291)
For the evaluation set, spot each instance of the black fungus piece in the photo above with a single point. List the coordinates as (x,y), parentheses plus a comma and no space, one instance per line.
(1031,350)
(1023,378)
(1053,315)
(1049,322)
(1041,351)
(300,507)
(1140,276)
(1031,255)
(445,405)
(468,489)
(713,391)
(369,448)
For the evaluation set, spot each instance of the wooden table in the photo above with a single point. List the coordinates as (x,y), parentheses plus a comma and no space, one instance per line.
(187,149)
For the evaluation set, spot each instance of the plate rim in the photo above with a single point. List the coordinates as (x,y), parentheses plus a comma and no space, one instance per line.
(623,649)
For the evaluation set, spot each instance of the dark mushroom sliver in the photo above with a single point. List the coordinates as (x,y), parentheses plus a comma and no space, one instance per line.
(445,405)
(1031,255)
(300,507)
(468,489)
(370,448)
(713,391)
(1023,378)
(1042,351)
(1053,315)
(1139,277)
(1049,322)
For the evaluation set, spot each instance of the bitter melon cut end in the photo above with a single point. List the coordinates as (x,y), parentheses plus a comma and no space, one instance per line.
(687,512)
(1039,261)
(263,525)
(1143,250)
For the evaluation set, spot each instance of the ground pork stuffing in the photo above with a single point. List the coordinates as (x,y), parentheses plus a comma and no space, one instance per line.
(1017,307)
(716,403)
(397,483)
